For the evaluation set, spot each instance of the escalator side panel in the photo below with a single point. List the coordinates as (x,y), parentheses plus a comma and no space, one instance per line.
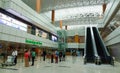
(100,47)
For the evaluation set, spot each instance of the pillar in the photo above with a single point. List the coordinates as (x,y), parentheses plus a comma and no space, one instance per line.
(61,24)
(76,38)
(104,7)
(38,5)
(53,16)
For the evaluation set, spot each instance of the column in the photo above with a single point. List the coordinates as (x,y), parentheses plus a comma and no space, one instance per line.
(38,5)
(104,7)
(53,16)
(76,38)
(61,24)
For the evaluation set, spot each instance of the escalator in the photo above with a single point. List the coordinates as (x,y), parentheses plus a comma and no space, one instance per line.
(101,49)
(89,51)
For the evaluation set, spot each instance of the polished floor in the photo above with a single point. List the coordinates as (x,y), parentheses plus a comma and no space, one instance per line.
(71,65)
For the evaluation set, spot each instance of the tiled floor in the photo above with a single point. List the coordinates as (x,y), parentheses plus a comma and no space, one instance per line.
(69,66)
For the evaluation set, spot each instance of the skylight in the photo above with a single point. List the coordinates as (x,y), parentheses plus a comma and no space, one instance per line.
(77,12)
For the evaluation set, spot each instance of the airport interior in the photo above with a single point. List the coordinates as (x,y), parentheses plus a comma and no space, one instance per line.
(59,36)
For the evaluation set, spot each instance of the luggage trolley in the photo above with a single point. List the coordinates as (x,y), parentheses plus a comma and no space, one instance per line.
(1,60)
(9,61)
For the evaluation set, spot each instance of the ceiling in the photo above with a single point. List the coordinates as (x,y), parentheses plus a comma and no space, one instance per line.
(78,15)
(71,12)
(48,5)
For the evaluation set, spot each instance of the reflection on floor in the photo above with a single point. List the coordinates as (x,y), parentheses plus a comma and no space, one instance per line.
(71,65)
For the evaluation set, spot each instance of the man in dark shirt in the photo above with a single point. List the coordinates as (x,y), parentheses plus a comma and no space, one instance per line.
(44,54)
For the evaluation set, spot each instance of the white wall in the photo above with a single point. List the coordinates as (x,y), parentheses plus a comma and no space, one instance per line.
(113,37)
(115,51)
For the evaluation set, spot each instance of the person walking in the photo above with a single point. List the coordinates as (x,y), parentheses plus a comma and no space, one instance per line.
(56,56)
(60,56)
(44,55)
(26,56)
(52,57)
(33,54)
(63,54)
(14,54)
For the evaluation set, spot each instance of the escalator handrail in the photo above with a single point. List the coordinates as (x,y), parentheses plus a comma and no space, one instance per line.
(93,43)
(85,42)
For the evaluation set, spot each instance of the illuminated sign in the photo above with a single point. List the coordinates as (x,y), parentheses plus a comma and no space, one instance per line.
(29,41)
(54,38)
(6,20)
